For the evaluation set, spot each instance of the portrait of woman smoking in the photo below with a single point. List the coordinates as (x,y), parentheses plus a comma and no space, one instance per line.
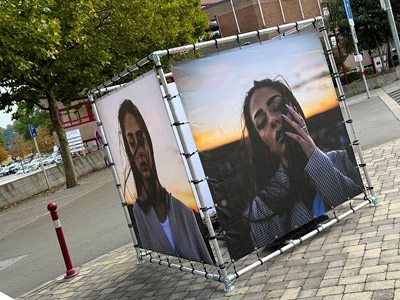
(292,180)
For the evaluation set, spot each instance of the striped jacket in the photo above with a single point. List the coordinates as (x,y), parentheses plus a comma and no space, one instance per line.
(332,175)
(189,242)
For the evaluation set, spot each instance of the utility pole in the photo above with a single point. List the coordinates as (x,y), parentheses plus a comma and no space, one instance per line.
(357,56)
(385,4)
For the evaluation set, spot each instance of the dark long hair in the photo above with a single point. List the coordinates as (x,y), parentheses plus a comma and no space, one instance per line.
(156,192)
(264,163)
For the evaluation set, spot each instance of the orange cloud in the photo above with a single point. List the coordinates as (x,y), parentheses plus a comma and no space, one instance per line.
(188,200)
(207,140)
(210,139)
(315,109)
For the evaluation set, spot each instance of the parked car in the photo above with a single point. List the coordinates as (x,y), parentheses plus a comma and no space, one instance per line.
(15,167)
(20,172)
(35,160)
(11,166)
(58,159)
(33,166)
(48,161)
(6,171)
(394,54)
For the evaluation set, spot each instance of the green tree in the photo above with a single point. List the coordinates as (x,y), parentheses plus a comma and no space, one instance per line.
(396,11)
(9,128)
(55,49)
(1,138)
(36,116)
(371,24)
(20,148)
(3,154)
(44,139)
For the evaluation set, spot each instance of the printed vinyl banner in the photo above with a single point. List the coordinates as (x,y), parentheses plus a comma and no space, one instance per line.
(151,171)
(271,137)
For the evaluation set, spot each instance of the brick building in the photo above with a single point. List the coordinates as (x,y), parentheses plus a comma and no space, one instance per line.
(230,17)
(239,16)
(79,116)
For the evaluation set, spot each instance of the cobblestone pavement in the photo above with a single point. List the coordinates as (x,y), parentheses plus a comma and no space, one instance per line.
(357,258)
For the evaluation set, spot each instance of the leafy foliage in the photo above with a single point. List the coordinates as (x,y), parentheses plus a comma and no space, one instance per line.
(3,154)
(44,139)
(9,127)
(54,50)
(20,148)
(38,117)
(71,45)
(371,23)
(356,76)
(1,139)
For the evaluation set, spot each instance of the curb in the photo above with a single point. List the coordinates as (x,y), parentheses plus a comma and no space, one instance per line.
(393,106)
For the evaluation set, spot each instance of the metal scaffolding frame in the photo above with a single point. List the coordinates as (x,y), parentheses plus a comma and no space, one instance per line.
(222,274)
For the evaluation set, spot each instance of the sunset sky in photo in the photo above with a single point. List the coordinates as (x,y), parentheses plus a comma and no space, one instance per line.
(213,88)
(145,93)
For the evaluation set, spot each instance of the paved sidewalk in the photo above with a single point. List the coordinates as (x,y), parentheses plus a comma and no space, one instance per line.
(358,258)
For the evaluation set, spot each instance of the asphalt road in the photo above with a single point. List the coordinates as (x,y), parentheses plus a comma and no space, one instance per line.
(375,124)
(93,221)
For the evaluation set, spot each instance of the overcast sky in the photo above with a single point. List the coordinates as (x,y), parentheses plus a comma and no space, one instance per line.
(5,119)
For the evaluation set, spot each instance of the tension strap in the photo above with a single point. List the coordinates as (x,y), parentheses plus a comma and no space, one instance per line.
(187,155)
(197,181)
(178,123)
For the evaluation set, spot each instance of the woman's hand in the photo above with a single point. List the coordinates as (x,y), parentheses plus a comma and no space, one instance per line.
(300,135)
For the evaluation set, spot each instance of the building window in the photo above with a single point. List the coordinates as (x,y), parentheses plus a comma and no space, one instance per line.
(76,115)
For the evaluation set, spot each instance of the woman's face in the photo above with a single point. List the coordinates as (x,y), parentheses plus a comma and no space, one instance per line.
(138,147)
(266,108)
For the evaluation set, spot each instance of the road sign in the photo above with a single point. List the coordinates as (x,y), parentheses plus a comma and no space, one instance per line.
(354,34)
(32,130)
(358,58)
(348,9)
(383,4)
(74,140)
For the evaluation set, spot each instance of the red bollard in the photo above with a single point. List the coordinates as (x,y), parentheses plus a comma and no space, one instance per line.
(71,272)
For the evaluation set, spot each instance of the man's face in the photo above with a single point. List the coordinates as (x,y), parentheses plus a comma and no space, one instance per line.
(139,147)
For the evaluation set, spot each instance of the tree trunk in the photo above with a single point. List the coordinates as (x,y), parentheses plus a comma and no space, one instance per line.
(341,58)
(66,154)
(389,54)
(380,54)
